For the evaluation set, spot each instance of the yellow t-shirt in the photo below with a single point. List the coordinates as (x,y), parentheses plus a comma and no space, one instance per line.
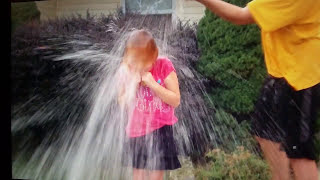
(290,32)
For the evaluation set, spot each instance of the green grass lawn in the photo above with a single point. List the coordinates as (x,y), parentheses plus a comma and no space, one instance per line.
(23,12)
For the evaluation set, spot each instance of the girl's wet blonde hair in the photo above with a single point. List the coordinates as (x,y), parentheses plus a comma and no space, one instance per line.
(142,41)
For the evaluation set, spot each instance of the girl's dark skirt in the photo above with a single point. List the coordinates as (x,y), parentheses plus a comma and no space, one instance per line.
(154,151)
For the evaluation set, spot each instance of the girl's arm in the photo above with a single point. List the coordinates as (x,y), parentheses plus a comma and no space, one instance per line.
(170,94)
(122,77)
(234,14)
(127,81)
(121,97)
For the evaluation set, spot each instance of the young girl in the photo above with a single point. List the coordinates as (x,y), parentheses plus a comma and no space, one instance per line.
(150,146)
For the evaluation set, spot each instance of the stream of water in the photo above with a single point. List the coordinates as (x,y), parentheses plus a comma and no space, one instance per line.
(93,148)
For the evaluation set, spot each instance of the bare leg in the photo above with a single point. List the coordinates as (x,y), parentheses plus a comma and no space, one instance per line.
(156,175)
(277,160)
(304,169)
(139,174)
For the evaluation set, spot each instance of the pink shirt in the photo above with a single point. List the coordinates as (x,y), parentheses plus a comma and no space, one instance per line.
(150,112)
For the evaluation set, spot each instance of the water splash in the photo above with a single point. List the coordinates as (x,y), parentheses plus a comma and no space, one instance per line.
(85,140)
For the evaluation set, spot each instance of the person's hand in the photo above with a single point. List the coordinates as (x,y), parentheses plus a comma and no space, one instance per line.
(147,79)
(136,77)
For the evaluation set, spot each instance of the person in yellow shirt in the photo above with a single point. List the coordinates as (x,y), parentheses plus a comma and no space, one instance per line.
(290,96)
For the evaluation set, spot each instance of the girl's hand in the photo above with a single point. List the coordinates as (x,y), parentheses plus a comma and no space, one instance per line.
(136,77)
(147,79)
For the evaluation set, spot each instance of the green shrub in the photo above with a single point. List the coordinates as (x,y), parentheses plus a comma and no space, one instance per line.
(23,12)
(231,56)
(238,165)
(232,134)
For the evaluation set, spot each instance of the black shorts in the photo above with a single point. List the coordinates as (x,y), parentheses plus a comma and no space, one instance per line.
(154,151)
(287,116)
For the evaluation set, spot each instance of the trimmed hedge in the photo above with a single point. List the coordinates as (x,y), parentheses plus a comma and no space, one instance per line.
(23,12)
(231,133)
(231,56)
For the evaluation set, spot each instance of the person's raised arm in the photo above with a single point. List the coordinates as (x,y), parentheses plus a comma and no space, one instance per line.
(234,14)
